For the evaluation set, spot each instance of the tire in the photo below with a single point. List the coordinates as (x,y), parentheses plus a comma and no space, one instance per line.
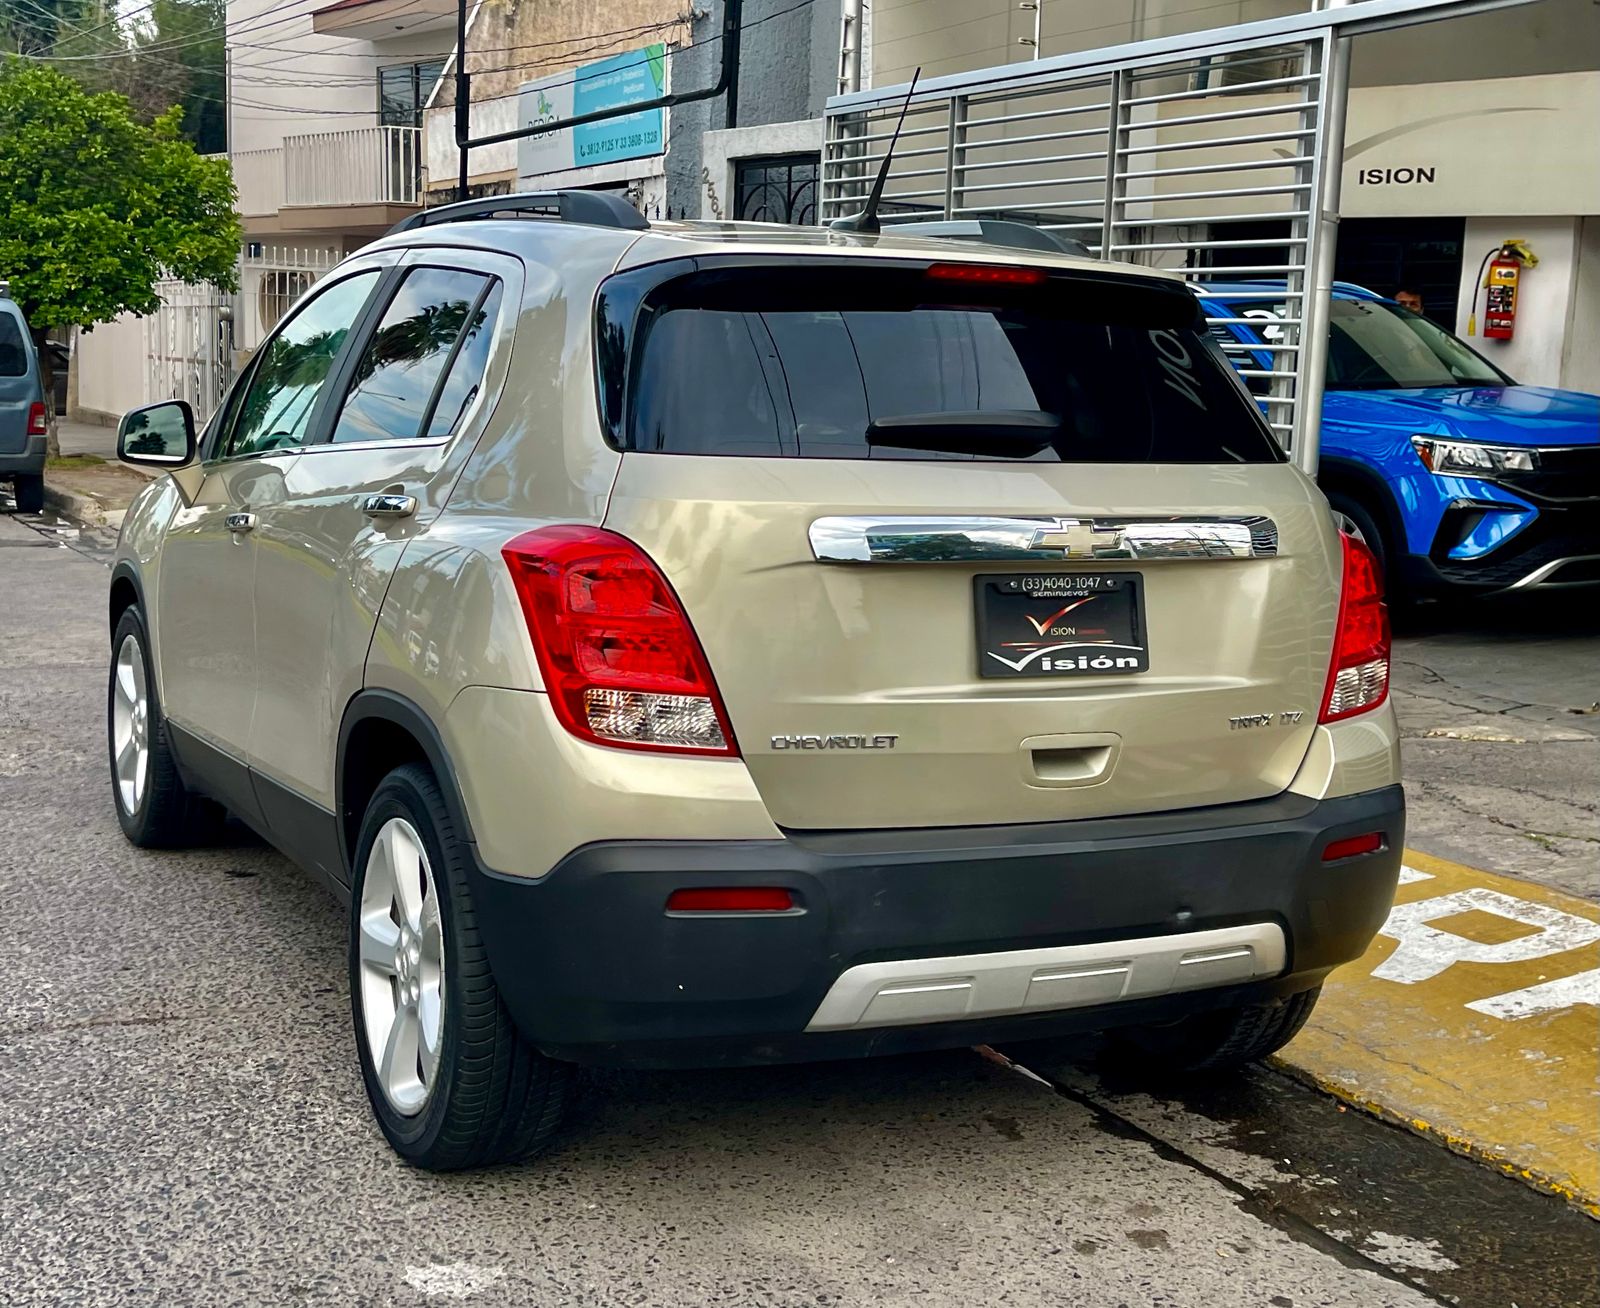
(1218,1041)
(489,1096)
(154,808)
(29,490)
(1358,516)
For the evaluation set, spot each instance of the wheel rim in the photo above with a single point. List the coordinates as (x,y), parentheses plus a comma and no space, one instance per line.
(130,725)
(1348,525)
(401,983)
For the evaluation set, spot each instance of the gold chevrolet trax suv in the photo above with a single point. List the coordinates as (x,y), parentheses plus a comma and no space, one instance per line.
(707,643)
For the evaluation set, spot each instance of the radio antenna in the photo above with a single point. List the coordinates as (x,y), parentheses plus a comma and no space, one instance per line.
(866,222)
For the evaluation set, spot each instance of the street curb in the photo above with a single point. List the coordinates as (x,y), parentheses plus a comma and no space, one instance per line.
(85,510)
(1533,1177)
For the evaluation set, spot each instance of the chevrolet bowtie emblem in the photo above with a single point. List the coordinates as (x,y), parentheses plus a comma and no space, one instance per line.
(1075,538)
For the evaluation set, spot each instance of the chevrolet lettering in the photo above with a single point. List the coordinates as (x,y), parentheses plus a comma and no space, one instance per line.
(834,742)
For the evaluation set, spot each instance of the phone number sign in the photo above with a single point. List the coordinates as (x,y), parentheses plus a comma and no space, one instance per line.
(632,78)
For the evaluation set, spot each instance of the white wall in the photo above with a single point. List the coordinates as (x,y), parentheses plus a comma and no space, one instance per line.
(1544,298)
(286,80)
(1580,362)
(110,366)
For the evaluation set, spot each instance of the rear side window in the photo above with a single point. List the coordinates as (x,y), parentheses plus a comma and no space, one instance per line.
(13,352)
(802,362)
(413,375)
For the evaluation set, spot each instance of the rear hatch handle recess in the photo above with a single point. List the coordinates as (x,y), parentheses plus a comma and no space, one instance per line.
(975,539)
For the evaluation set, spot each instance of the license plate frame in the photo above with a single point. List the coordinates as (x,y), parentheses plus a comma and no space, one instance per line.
(1007,604)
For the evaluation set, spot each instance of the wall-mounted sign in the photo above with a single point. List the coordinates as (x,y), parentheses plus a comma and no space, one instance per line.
(624,79)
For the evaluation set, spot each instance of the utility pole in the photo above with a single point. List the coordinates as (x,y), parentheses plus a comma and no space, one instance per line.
(463,100)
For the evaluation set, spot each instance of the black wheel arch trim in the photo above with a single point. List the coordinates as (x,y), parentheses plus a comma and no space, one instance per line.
(390,706)
(1335,474)
(125,571)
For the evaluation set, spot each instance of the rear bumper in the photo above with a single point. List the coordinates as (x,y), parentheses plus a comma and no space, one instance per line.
(28,460)
(595,970)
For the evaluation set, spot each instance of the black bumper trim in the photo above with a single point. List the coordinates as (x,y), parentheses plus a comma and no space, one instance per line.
(594,970)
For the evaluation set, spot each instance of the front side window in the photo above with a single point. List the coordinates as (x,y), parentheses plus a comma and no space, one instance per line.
(407,376)
(276,410)
(1376,346)
(884,362)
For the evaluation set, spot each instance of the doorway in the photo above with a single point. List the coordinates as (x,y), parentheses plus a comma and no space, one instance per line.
(1421,254)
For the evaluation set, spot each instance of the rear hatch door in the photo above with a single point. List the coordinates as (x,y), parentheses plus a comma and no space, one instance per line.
(1135,615)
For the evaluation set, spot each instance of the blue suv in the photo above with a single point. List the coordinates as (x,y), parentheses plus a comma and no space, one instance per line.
(1456,476)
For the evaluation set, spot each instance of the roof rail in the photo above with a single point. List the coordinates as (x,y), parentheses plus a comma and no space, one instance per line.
(593,208)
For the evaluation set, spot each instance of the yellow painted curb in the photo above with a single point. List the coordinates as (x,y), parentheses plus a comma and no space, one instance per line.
(1472,1020)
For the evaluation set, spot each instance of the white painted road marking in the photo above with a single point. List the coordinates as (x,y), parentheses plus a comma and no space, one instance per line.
(1546,997)
(452,1280)
(1426,951)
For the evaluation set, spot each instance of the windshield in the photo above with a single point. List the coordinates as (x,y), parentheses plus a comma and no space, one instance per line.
(893,363)
(1380,347)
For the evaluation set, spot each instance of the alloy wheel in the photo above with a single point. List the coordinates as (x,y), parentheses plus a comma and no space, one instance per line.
(401,981)
(130,725)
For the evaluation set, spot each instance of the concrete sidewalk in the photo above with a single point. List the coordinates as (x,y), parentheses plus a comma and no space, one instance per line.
(87,438)
(94,489)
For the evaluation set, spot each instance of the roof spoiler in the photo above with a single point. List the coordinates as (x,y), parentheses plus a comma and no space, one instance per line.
(589,208)
(998,231)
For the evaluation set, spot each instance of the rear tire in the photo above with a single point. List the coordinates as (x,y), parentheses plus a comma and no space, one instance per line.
(1218,1041)
(154,808)
(451,1080)
(1362,523)
(29,491)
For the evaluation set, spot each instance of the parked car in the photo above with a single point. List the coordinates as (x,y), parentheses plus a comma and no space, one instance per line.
(60,364)
(691,644)
(23,421)
(1456,477)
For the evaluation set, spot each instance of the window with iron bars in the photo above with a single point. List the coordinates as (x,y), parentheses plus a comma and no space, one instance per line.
(777,189)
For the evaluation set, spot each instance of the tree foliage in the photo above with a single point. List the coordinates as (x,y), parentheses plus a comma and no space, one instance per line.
(97,207)
(169,52)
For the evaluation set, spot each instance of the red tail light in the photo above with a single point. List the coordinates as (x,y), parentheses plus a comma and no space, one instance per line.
(731,899)
(38,422)
(1358,678)
(619,658)
(991,274)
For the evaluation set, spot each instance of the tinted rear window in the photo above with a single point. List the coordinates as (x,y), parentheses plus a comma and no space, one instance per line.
(13,353)
(798,362)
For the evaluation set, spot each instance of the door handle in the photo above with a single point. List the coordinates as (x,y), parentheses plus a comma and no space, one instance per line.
(238,522)
(388,505)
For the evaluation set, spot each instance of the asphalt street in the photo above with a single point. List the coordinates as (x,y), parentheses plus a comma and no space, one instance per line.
(181,1120)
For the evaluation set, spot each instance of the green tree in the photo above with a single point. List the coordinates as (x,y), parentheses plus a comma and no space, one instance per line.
(97,207)
(185,39)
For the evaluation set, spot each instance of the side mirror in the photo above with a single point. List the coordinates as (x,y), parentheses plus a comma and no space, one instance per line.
(158,435)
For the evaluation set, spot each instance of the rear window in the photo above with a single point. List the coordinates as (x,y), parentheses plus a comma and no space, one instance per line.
(13,353)
(801,361)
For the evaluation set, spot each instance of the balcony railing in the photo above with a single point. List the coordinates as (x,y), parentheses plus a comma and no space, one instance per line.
(362,165)
(259,176)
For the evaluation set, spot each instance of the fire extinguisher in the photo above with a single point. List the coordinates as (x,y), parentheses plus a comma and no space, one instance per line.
(1498,277)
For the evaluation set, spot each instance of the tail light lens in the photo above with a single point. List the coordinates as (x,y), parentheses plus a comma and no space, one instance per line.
(1358,678)
(38,423)
(619,658)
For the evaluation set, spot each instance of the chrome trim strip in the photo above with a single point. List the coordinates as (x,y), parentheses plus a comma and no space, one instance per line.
(909,991)
(907,539)
(1535,580)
